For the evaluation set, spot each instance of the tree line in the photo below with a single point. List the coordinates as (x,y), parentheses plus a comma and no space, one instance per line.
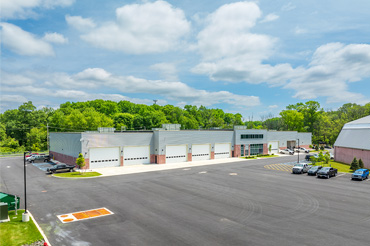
(26,128)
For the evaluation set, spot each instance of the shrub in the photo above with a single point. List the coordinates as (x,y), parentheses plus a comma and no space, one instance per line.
(360,164)
(354,164)
(316,147)
(311,147)
(322,148)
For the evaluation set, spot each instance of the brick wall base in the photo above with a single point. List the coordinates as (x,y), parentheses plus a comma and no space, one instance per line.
(265,149)
(67,159)
(161,159)
(236,152)
(212,155)
(190,157)
(121,163)
(346,155)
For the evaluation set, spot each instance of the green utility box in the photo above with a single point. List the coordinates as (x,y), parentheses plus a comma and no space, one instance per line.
(3,212)
(10,200)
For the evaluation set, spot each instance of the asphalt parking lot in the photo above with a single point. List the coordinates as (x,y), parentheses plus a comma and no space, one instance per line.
(241,203)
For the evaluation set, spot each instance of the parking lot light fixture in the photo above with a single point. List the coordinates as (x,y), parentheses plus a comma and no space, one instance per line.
(25,215)
(298,150)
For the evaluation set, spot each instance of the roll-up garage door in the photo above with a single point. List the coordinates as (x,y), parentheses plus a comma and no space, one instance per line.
(104,157)
(274,146)
(134,155)
(176,153)
(201,152)
(222,150)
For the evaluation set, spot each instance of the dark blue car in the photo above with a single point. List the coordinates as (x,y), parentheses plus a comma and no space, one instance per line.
(360,174)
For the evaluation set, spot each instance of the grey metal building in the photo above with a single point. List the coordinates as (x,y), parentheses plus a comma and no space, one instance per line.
(169,144)
(354,141)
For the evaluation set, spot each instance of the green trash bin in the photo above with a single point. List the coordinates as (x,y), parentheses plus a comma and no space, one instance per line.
(10,200)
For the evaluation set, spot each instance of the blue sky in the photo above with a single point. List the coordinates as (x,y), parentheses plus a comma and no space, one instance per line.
(251,57)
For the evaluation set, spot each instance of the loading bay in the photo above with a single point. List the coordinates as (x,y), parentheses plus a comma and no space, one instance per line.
(239,203)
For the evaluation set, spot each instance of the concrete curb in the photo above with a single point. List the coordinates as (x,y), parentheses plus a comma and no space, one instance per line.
(39,228)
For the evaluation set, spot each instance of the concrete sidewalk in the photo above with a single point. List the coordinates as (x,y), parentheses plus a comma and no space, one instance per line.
(111,171)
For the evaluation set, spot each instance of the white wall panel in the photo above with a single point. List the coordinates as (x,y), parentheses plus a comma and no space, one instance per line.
(222,150)
(134,155)
(201,152)
(176,153)
(104,157)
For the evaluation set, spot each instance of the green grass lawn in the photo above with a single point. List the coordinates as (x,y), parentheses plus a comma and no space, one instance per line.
(342,167)
(16,232)
(77,174)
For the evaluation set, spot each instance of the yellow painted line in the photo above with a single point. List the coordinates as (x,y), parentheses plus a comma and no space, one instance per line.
(83,215)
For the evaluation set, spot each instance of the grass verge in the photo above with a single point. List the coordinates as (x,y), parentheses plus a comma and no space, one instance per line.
(342,167)
(77,174)
(16,232)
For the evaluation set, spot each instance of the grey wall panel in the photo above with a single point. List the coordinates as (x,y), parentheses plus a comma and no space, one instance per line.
(192,137)
(239,140)
(305,138)
(117,139)
(65,143)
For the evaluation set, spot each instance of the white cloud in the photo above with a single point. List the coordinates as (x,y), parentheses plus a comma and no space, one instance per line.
(273,106)
(142,28)
(75,86)
(22,42)
(270,17)
(23,9)
(231,52)
(299,30)
(13,98)
(288,7)
(332,67)
(81,24)
(55,38)
(168,71)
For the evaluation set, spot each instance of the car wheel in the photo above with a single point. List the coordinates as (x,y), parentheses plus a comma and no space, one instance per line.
(32,161)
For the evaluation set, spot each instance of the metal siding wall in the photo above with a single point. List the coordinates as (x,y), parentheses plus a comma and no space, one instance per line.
(239,141)
(117,139)
(65,143)
(192,137)
(305,138)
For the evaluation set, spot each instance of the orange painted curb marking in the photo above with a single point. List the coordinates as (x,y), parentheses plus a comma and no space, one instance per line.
(82,215)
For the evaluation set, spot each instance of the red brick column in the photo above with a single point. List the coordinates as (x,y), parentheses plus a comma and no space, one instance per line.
(161,159)
(249,150)
(236,152)
(121,163)
(152,158)
(87,164)
(190,157)
(265,149)
(212,155)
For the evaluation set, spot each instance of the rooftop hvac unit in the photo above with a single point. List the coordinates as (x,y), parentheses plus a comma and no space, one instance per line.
(240,127)
(106,129)
(171,127)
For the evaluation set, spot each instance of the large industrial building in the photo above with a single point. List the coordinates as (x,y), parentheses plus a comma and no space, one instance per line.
(354,141)
(169,144)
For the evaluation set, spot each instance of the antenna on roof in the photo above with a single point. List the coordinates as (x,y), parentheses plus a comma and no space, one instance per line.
(155,101)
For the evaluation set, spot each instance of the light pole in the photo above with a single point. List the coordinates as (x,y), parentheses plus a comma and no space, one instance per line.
(25,215)
(299,151)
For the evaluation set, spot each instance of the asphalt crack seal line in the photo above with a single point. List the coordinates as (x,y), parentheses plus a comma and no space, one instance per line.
(83,215)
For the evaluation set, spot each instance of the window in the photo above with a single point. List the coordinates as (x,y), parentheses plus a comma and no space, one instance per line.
(256,149)
(251,136)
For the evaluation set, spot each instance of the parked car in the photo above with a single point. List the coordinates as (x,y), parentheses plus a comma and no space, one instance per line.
(302,150)
(60,168)
(308,157)
(38,158)
(327,172)
(301,168)
(313,170)
(360,174)
(287,151)
(31,154)
(327,147)
(331,156)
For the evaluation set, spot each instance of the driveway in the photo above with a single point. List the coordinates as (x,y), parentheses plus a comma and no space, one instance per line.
(240,203)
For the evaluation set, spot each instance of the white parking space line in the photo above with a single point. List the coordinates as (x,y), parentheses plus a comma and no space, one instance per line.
(202,172)
(341,174)
(233,174)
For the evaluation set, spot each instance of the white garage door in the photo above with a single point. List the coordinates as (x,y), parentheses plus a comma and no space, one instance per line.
(176,153)
(104,157)
(222,150)
(201,152)
(274,147)
(133,155)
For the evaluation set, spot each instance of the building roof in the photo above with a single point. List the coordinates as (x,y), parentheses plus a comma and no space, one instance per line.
(355,134)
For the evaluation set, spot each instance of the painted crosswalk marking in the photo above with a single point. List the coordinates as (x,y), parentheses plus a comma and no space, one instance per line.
(279,167)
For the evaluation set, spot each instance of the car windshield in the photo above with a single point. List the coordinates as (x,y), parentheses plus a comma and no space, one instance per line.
(314,168)
(325,168)
(359,172)
(299,165)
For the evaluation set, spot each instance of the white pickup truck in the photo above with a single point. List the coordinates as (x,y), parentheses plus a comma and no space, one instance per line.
(301,168)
